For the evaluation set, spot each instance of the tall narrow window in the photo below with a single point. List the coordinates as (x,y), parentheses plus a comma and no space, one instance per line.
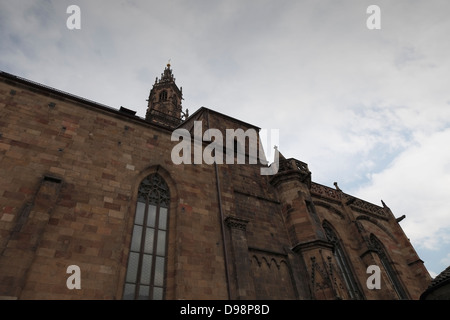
(342,262)
(163,96)
(387,265)
(146,263)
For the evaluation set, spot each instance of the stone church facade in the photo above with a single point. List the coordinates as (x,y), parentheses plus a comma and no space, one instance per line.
(86,185)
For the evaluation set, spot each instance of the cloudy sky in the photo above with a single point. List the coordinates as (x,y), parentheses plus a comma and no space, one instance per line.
(369,109)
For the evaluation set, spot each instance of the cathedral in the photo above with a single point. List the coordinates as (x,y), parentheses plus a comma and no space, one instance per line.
(93,206)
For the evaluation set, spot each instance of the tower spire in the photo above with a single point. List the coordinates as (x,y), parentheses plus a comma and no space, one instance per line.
(164,102)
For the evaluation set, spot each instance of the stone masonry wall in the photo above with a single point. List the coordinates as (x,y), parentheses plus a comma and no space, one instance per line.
(70,170)
(99,157)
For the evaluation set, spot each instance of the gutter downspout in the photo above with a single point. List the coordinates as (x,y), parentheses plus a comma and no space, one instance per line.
(222,226)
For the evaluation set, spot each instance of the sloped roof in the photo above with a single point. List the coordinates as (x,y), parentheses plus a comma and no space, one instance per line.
(441,277)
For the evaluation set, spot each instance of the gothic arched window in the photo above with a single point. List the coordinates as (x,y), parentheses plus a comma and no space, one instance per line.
(387,265)
(163,96)
(342,262)
(146,263)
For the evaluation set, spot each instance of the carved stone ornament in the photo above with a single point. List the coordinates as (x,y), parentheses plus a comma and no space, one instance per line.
(155,189)
(236,223)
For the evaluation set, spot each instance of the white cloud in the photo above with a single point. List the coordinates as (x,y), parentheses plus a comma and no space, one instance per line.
(417,184)
(446,260)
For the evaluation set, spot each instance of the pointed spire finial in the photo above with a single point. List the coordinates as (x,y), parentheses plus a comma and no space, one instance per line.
(277,154)
(337,187)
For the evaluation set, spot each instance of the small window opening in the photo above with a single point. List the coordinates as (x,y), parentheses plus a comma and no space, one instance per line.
(163,96)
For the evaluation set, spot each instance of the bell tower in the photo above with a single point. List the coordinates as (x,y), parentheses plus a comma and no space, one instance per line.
(164,101)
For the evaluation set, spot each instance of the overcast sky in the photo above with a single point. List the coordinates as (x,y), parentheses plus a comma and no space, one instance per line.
(369,109)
